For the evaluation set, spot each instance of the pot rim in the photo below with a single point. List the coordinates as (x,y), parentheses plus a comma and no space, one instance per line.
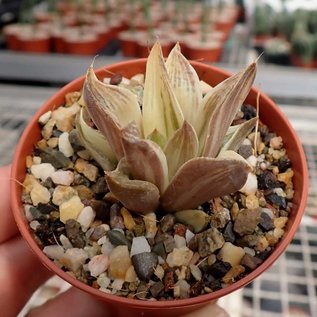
(16,205)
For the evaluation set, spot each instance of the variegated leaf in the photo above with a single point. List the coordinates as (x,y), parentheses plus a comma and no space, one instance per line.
(135,195)
(232,141)
(220,107)
(186,86)
(202,179)
(161,110)
(145,159)
(95,143)
(158,138)
(182,147)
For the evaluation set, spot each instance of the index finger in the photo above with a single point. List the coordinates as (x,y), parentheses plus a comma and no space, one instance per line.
(8,227)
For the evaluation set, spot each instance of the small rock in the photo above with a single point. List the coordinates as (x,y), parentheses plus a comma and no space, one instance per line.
(128,220)
(181,289)
(196,272)
(251,202)
(220,218)
(150,225)
(65,242)
(219,269)
(119,262)
(64,145)
(179,257)
(245,150)
(64,119)
(139,245)
(266,222)
(267,180)
(156,289)
(115,79)
(100,187)
(70,209)
(189,235)
(73,259)
(43,119)
(84,193)
(39,194)
(280,222)
(42,171)
(142,290)
(283,164)
(54,252)
(103,280)
(36,214)
(84,154)
(251,185)
(276,143)
(74,234)
(56,158)
(262,244)
(209,241)
(130,275)
(159,249)
(74,141)
(231,254)
(98,264)
(144,264)
(168,241)
(101,208)
(117,238)
(107,247)
(179,229)
(62,194)
(80,180)
(277,200)
(97,233)
(233,274)
(86,217)
(116,220)
(167,223)
(247,221)
(88,170)
(250,262)
(228,233)
(159,272)
(47,130)
(34,225)
(180,241)
(61,177)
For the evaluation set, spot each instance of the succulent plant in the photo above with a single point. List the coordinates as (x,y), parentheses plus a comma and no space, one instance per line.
(176,150)
(263,20)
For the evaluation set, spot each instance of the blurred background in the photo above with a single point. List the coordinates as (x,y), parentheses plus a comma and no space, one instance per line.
(45,44)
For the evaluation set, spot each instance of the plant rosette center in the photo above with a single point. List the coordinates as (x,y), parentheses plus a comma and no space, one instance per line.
(159,186)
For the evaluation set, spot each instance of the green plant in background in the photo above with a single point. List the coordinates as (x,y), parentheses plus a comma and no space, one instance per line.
(303,42)
(26,14)
(263,20)
(146,6)
(178,149)
(285,23)
(205,20)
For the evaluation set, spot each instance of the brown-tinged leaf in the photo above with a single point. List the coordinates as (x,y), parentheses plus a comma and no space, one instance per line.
(135,195)
(220,107)
(145,160)
(95,143)
(185,84)
(202,179)
(160,107)
(195,218)
(236,134)
(111,108)
(182,147)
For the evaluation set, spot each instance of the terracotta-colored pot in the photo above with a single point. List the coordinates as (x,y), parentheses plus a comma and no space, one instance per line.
(37,42)
(128,43)
(299,62)
(209,51)
(11,33)
(81,44)
(270,115)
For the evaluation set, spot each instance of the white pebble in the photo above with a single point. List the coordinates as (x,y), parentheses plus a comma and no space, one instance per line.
(107,247)
(279,191)
(179,241)
(251,185)
(117,284)
(252,160)
(139,245)
(231,253)
(54,252)
(159,272)
(102,240)
(61,177)
(27,212)
(150,225)
(98,264)
(64,145)
(37,160)
(196,272)
(43,119)
(42,171)
(249,251)
(189,235)
(65,242)
(179,257)
(74,258)
(103,280)
(269,212)
(92,250)
(246,142)
(34,224)
(86,218)
(160,260)
(70,209)
(39,194)
(181,289)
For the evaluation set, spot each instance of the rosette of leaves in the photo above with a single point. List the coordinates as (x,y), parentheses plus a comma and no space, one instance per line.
(177,149)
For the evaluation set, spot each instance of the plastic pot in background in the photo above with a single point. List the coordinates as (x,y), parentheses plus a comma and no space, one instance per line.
(270,115)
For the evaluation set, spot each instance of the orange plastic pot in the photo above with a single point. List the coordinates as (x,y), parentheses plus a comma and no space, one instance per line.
(270,114)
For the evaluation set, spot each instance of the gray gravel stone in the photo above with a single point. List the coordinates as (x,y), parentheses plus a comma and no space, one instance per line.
(144,264)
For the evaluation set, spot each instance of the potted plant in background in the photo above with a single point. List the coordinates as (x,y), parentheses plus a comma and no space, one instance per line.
(69,190)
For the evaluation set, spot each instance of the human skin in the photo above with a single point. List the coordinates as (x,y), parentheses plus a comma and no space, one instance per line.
(21,273)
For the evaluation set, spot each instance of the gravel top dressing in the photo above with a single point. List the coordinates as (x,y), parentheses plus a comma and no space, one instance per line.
(93,235)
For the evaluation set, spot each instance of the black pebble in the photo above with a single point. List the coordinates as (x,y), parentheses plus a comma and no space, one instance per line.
(219,269)
(266,222)
(267,180)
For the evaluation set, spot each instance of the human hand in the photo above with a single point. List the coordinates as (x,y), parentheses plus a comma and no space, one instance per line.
(21,273)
